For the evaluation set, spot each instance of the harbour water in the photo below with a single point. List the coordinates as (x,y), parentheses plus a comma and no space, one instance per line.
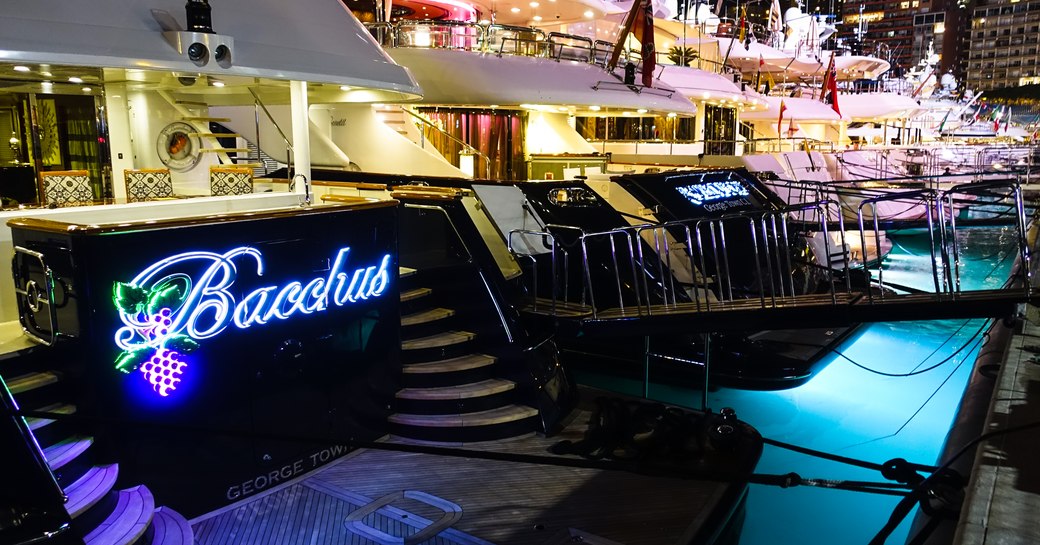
(891,391)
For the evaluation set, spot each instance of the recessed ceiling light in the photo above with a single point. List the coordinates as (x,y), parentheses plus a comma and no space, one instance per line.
(588,14)
(21,68)
(533,4)
(218,83)
(86,89)
(594,108)
(344,87)
(74,79)
(514,10)
(641,110)
(537,17)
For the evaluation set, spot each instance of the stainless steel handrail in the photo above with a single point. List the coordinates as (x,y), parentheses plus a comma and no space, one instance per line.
(465,146)
(557,47)
(30,301)
(288,143)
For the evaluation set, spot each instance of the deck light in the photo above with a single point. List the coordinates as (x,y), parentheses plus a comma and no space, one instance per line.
(21,68)
(74,79)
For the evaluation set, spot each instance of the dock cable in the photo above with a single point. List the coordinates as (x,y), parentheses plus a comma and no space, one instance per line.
(937,484)
(973,339)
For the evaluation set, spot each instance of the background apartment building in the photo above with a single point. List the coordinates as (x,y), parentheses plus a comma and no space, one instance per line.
(1002,45)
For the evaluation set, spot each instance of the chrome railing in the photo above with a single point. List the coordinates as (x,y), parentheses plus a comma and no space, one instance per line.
(510,40)
(648,269)
(466,147)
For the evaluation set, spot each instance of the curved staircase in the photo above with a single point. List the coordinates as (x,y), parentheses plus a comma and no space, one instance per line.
(453,389)
(101,514)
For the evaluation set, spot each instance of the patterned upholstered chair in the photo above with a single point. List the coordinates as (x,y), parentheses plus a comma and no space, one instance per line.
(66,188)
(147,184)
(230,180)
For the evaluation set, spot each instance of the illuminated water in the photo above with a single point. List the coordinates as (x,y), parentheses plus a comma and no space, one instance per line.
(855,412)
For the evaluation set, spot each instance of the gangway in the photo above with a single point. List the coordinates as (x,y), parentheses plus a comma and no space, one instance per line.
(675,277)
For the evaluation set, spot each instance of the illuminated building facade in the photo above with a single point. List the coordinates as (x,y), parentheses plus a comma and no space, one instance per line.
(887,28)
(1003,44)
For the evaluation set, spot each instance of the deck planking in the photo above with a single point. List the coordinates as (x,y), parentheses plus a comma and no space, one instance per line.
(503,502)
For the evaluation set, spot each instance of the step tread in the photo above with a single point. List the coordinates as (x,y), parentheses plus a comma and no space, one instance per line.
(30,381)
(128,521)
(500,415)
(439,340)
(57,408)
(170,527)
(13,338)
(405,272)
(66,450)
(459,363)
(426,316)
(415,293)
(90,488)
(462,391)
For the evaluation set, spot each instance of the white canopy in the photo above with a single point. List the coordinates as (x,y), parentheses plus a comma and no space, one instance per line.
(305,40)
(798,109)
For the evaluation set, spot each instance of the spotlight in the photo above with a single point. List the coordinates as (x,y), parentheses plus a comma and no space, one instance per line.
(198,52)
(222,54)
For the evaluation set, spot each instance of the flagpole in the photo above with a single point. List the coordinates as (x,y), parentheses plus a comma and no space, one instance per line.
(629,20)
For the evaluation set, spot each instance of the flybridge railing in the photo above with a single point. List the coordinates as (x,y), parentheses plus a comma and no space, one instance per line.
(507,40)
(755,259)
(946,165)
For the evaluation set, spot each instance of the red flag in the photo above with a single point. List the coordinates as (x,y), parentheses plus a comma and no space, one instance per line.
(761,61)
(643,30)
(780,121)
(830,87)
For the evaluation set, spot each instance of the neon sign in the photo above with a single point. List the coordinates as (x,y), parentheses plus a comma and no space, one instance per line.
(712,191)
(188,297)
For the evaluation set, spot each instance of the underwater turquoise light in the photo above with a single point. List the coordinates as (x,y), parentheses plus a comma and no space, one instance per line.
(852,410)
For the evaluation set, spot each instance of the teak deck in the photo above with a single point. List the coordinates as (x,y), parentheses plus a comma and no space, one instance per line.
(502,502)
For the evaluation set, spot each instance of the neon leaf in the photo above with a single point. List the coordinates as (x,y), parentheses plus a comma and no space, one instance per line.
(168,296)
(128,298)
(181,343)
(131,359)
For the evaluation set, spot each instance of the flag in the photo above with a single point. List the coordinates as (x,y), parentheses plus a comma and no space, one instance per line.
(1007,118)
(811,38)
(741,34)
(758,75)
(945,117)
(776,23)
(780,121)
(830,87)
(643,30)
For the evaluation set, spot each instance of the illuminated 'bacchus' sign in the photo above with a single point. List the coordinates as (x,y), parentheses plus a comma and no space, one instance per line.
(190,297)
(712,191)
